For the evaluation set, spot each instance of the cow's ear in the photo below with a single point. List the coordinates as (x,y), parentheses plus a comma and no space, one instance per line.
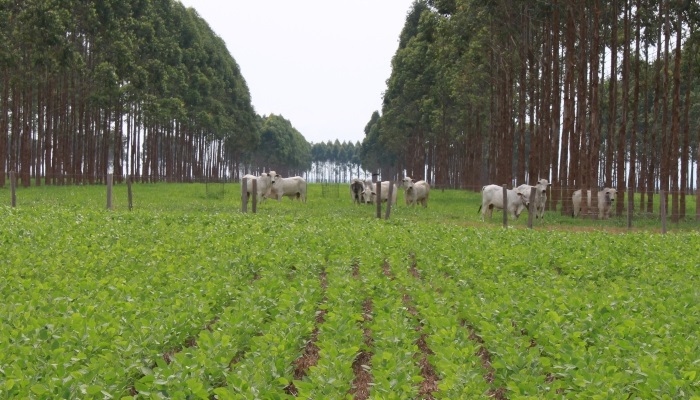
(519,194)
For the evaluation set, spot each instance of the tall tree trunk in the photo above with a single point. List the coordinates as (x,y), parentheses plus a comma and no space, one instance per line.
(4,125)
(556,106)
(521,101)
(676,120)
(26,136)
(631,180)
(685,147)
(579,158)
(610,141)
(39,131)
(622,134)
(665,140)
(653,145)
(594,145)
(568,128)
(646,149)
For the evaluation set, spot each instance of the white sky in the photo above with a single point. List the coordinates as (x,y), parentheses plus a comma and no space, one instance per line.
(321,64)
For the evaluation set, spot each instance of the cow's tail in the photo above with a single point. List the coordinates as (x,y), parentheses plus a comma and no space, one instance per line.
(479,208)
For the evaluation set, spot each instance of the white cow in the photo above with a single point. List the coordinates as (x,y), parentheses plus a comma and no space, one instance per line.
(606,198)
(264,183)
(492,197)
(290,187)
(367,191)
(416,192)
(372,195)
(540,195)
(356,188)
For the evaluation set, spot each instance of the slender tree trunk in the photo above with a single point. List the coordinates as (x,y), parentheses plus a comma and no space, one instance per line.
(579,158)
(521,101)
(665,140)
(556,106)
(643,184)
(610,141)
(631,180)
(568,128)
(39,132)
(653,145)
(676,121)
(4,125)
(546,103)
(622,134)
(26,136)
(594,155)
(685,147)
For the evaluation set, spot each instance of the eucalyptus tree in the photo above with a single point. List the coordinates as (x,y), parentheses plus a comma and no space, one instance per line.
(146,84)
(282,148)
(405,127)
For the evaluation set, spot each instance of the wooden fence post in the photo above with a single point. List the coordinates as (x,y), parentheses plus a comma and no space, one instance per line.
(388,202)
(255,196)
(662,209)
(110,179)
(533,204)
(379,198)
(129,193)
(244,195)
(630,206)
(505,206)
(110,175)
(13,188)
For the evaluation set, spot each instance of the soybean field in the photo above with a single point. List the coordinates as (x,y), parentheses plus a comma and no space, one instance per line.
(185,297)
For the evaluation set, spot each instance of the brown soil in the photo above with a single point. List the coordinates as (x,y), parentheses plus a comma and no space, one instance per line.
(485,357)
(427,371)
(363,361)
(310,355)
(430,377)
(386,269)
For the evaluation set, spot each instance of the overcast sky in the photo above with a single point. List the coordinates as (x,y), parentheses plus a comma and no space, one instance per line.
(321,64)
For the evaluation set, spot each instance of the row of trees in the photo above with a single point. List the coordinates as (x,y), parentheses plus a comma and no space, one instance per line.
(144,85)
(583,93)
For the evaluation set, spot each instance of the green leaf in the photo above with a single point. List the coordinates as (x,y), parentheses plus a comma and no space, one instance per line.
(39,389)
(94,389)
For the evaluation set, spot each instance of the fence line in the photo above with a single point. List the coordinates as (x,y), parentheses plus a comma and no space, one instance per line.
(654,212)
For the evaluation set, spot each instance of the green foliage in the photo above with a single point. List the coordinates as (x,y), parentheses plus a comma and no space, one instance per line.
(282,148)
(156,64)
(186,297)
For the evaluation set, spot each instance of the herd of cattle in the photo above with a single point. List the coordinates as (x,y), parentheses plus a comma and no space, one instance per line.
(415,192)
(273,186)
(518,199)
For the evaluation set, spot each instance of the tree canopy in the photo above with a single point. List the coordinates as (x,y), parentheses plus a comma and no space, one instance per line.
(582,93)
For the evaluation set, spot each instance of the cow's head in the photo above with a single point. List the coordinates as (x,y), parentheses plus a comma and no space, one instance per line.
(368,196)
(407,182)
(274,177)
(542,185)
(609,195)
(524,198)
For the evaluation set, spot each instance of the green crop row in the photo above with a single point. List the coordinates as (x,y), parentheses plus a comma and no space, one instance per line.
(339,337)
(203,303)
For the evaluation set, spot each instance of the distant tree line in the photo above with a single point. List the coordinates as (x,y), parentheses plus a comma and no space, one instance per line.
(583,93)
